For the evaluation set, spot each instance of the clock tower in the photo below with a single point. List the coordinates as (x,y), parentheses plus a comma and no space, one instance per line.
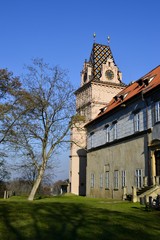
(101,80)
(110,72)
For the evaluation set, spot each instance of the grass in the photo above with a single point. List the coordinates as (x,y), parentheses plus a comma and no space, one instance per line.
(76,218)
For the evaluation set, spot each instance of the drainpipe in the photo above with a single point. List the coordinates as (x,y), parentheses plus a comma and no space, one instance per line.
(149,160)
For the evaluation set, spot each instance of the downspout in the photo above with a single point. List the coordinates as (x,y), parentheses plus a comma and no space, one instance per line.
(149,160)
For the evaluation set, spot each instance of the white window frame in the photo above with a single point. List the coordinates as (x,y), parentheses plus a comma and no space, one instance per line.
(139,178)
(157,111)
(114,130)
(136,120)
(116,179)
(91,139)
(107,133)
(107,180)
(101,180)
(123,178)
(92,180)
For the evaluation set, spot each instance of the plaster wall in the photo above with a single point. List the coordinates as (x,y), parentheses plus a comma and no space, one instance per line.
(125,156)
(78,158)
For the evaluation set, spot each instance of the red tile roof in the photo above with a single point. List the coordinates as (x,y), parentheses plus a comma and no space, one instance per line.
(145,84)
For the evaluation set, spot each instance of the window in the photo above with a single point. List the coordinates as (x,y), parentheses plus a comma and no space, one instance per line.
(101,181)
(123,178)
(107,132)
(85,77)
(138,178)
(136,122)
(116,179)
(114,130)
(107,180)
(92,180)
(157,111)
(91,138)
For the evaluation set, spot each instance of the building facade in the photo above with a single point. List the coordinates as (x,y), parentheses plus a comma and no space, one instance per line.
(123,141)
(100,81)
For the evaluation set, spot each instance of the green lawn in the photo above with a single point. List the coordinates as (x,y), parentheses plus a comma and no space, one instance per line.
(76,218)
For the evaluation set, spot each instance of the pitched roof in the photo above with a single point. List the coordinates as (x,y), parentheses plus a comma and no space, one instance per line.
(99,55)
(145,84)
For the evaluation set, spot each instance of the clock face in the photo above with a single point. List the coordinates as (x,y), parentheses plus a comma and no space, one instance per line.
(109,74)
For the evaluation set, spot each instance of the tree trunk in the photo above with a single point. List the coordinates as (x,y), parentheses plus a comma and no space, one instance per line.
(36,184)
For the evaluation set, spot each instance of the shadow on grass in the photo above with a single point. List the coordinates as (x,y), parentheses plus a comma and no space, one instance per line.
(73,221)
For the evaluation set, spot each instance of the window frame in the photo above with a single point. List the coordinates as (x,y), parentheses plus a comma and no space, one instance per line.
(107,129)
(123,178)
(139,178)
(92,180)
(91,139)
(116,179)
(157,111)
(101,180)
(136,121)
(115,135)
(107,180)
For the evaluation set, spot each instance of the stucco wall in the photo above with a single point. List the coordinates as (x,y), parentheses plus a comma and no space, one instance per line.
(129,156)
(78,158)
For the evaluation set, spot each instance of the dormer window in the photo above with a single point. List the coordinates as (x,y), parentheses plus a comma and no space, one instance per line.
(145,82)
(125,95)
(121,97)
(102,110)
(140,82)
(151,79)
(116,98)
(148,80)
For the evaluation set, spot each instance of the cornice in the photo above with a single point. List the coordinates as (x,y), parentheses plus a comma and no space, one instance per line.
(98,82)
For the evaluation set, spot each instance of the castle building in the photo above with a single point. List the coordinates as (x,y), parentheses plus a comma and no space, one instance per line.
(101,80)
(115,134)
(123,143)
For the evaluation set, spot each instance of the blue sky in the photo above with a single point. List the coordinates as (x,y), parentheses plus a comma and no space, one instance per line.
(61,32)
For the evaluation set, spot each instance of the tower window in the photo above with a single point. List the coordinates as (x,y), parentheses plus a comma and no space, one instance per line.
(85,77)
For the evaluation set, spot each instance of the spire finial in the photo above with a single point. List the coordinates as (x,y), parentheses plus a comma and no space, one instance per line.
(108,39)
(94,36)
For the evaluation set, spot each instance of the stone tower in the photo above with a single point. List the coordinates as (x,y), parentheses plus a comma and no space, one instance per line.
(101,80)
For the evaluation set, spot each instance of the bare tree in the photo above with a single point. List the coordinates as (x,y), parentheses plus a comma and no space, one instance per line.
(48,101)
